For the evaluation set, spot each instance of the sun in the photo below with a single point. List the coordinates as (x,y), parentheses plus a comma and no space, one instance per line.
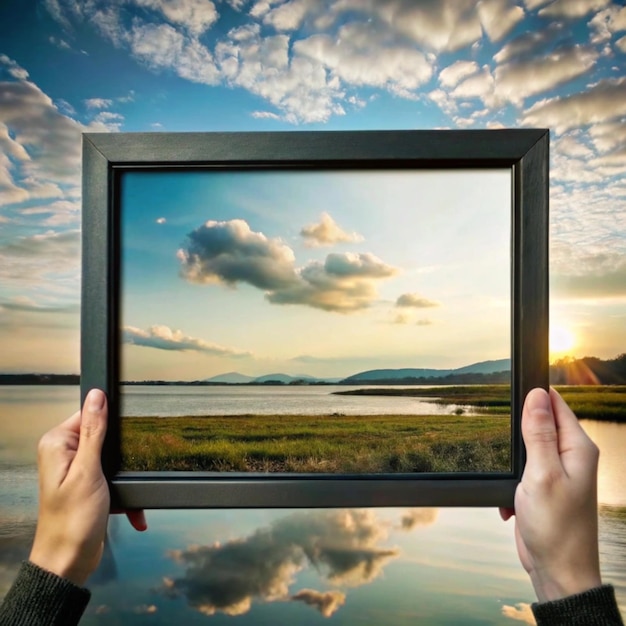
(562,341)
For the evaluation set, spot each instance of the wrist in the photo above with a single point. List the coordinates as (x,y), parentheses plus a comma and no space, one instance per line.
(61,563)
(549,588)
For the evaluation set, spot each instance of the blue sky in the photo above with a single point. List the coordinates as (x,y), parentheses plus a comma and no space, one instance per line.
(322,273)
(196,65)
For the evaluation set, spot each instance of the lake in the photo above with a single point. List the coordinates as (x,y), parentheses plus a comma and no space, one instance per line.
(270,400)
(391,566)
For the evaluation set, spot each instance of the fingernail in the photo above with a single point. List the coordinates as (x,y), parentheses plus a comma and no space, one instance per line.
(95,400)
(538,399)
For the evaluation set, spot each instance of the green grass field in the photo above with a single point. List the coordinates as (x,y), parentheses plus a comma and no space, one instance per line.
(324,443)
(598,402)
(338,444)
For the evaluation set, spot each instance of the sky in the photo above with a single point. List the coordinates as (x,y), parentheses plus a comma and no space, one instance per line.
(195,65)
(319,273)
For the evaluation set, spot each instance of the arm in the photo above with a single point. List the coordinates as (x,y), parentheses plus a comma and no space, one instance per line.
(556,517)
(74,506)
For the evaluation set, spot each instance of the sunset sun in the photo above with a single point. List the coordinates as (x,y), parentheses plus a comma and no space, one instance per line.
(562,341)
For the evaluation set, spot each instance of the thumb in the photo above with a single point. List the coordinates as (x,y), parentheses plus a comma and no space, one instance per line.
(540,433)
(93,426)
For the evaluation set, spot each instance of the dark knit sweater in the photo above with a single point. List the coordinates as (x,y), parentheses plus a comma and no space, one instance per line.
(596,607)
(39,598)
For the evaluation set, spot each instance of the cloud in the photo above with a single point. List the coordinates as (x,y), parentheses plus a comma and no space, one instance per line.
(46,260)
(603,102)
(326,602)
(414,300)
(229,253)
(299,87)
(164,338)
(439,25)
(413,518)
(344,546)
(519,80)
(163,47)
(521,612)
(196,16)
(572,8)
(621,44)
(98,103)
(530,44)
(360,55)
(327,232)
(13,68)
(605,23)
(287,16)
(145,609)
(453,74)
(161,220)
(423,322)
(24,304)
(344,283)
(499,17)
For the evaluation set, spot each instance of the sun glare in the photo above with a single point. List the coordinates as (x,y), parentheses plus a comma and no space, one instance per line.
(562,341)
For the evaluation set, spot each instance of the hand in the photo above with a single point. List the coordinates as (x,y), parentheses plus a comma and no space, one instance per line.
(74,496)
(556,511)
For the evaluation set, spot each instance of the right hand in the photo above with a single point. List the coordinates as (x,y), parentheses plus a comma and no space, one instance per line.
(556,511)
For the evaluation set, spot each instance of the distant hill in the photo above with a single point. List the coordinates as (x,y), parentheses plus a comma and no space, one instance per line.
(410,373)
(231,378)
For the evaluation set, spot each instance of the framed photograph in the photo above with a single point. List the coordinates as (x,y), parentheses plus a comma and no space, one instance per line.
(315,319)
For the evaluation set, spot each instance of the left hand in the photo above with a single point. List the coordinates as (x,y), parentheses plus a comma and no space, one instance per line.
(74,496)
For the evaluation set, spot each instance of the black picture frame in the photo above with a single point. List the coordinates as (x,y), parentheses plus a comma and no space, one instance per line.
(525,152)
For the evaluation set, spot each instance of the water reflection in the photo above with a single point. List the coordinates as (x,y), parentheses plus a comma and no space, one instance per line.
(391,566)
(345,548)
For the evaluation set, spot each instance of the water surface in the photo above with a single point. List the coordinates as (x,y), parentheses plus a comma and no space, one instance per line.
(391,566)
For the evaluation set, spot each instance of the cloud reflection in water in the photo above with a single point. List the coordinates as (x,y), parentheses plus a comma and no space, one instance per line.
(345,547)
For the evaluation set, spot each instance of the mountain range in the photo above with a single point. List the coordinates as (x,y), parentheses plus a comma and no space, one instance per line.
(484,367)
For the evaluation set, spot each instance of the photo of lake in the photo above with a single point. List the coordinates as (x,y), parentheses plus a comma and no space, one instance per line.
(254,291)
(397,566)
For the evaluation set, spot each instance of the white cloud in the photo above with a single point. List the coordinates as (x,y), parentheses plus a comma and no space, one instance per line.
(534,4)
(499,17)
(37,125)
(162,337)
(621,44)
(603,102)
(442,25)
(415,301)
(572,8)
(521,612)
(327,232)
(98,103)
(290,15)
(607,137)
(230,253)
(196,16)
(478,85)
(570,145)
(300,89)
(359,56)
(163,47)
(451,76)
(14,70)
(49,260)
(529,44)
(517,81)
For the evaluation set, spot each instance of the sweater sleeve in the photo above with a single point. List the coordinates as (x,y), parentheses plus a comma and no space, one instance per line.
(596,607)
(41,598)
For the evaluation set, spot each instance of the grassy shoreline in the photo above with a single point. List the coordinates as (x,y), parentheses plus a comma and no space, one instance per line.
(317,444)
(596,402)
